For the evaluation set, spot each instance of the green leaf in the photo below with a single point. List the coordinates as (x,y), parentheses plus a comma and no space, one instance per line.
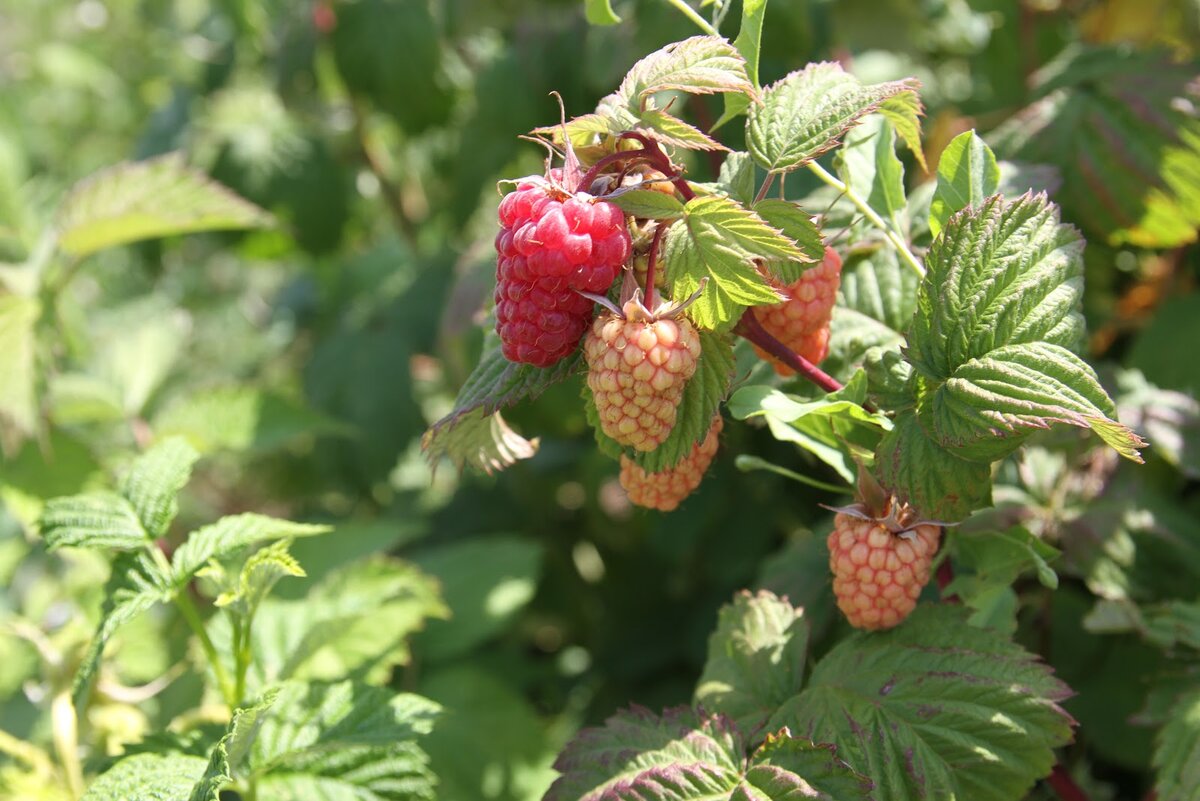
(798,226)
(487,581)
(1004,555)
(700,65)
(967,174)
(599,12)
(147,200)
(755,659)
(233,749)
(357,620)
(875,306)
(149,777)
(648,204)
(935,709)
(135,585)
(334,742)
(243,418)
(511,749)
(736,178)
(1177,753)
(670,130)
(101,520)
(1003,273)
(390,52)
(786,767)
(940,485)
(869,166)
(990,404)
(473,433)
(702,397)
(257,577)
(833,428)
(228,536)
(904,111)
(1121,126)
(747,43)
(682,756)
(155,479)
(718,240)
(635,749)
(18,399)
(805,114)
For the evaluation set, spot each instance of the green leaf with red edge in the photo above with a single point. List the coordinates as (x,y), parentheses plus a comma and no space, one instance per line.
(684,755)
(700,65)
(935,709)
(1120,124)
(718,241)
(1177,754)
(798,226)
(663,127)
(473,433)
(747,43)
(805,114)
(997,315)
(904,112)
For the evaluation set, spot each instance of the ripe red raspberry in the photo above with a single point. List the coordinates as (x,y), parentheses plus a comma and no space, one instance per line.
(638,363)
(665,489)
(878,575)
(552,243)
(802,321)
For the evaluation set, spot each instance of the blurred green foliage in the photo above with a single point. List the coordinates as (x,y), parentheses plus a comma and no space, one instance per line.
(306,359)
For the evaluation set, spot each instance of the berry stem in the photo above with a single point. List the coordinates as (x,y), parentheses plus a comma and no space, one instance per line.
(1064,785)
(651,261)
(612,158)
(750,328)
(691,14)
(766,187)
(902,250)
(659,161)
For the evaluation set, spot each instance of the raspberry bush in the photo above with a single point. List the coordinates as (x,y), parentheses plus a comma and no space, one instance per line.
(809,425)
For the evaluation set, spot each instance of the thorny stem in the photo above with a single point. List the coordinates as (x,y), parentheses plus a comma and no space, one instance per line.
(659,161)
(1064,785)
(901,247)
(695,17)
(751,329)
(611,158)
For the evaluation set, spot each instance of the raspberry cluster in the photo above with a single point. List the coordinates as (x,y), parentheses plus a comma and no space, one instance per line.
(665,489)
(802,321)
(552,244)
(878,575)
(638,364)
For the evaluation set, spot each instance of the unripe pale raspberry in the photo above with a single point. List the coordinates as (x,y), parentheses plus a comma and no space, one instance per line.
(665,489)
(638,365)
(802,321)
(878,575)
(551,244)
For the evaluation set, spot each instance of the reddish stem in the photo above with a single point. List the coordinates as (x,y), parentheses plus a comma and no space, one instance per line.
(1064,785)
(585,183)
(651,261)
(750,328)
(659,161)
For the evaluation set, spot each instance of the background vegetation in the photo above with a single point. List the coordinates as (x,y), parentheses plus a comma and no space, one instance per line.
(306,359)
